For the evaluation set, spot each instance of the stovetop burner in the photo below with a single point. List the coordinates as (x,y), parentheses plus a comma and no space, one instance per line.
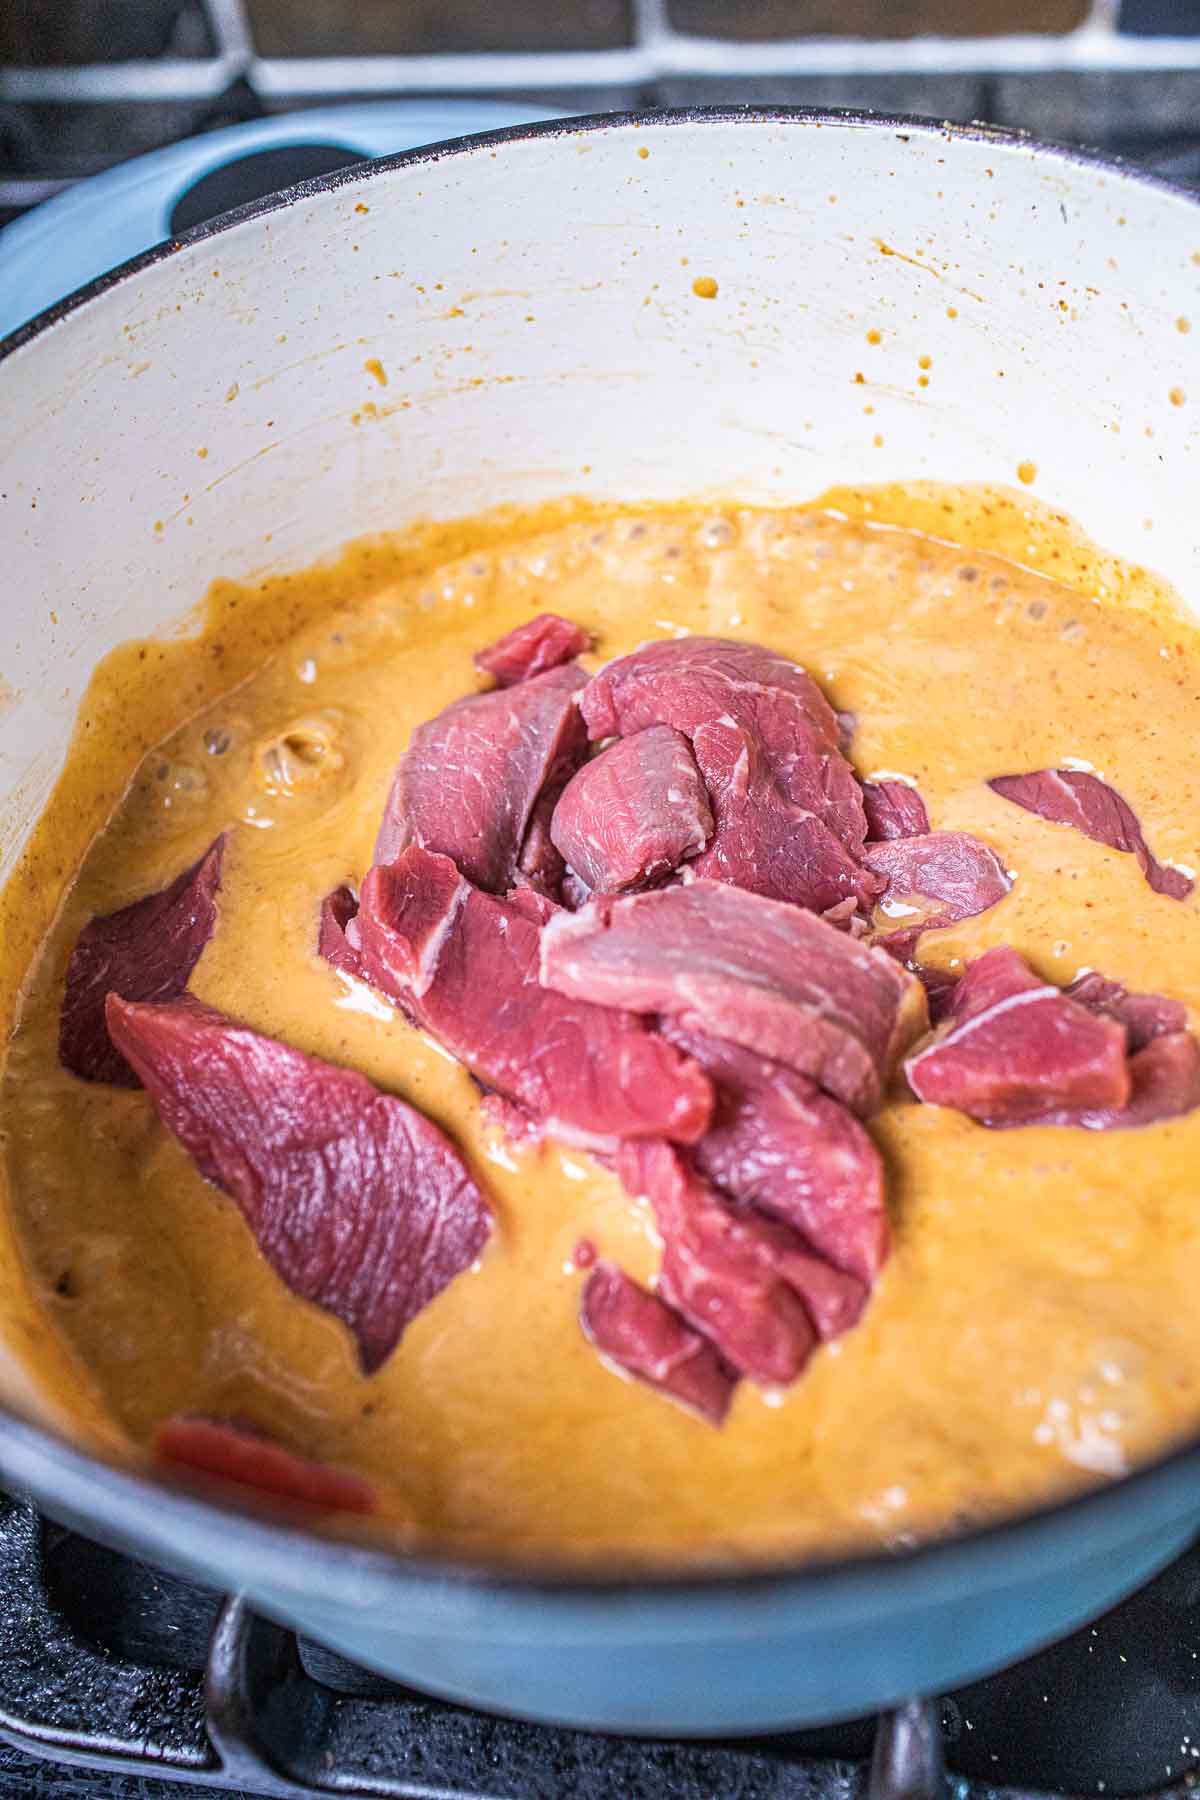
(136,1681)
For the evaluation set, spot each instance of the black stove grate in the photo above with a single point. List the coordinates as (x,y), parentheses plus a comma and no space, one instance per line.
(121,1682)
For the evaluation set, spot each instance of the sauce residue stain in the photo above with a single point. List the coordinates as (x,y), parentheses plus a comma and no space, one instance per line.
(1177,396)
(231,393)
(360,208)
(374,367)
(704,287)
(924,362)
(202,452)
(1184,325)
(874,337)
(643,152)
(1027,472)
(925,268)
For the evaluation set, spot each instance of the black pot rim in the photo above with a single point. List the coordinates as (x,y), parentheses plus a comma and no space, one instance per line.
(94,1491)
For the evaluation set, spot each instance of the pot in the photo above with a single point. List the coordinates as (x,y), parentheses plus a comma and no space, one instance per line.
(1045,285)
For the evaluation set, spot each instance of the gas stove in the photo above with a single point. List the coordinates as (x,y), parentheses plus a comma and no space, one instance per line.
(118,1681)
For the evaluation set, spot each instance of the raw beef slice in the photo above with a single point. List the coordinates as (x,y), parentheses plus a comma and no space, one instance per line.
(356,1200)
(530,649)
(253,1460)
(940,877)
(769,746)
(768,843)
(771,977)
(894,810)
(1017,1051)
(337,910)
(469,782)
(633,813)
(1144,1016)
(643,1336)
(778,1143)
(146,951)
(465,965)
(744,1281)
(1075,797)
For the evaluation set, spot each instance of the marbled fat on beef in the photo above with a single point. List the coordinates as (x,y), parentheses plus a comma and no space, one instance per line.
(356,1200)
(769,746)
(894,810)
(530,649)
(768,976)
(251,1459)
(465,965)
(633,813)
(1077,798)
(469,784)
(646,1338)
(146,951)
(778,1143)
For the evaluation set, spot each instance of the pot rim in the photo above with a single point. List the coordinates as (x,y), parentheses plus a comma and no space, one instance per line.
(161,1509)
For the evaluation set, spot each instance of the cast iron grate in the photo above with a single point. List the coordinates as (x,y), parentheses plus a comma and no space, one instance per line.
(135,1681)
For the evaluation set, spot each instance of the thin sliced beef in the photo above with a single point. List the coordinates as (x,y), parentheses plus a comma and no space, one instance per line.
(466,967)
(253,1460)
(719,1269)
(1075,797)
(1164,1078)
(337,910)
(469,782)
(778,1143)
(941,876)
(771,977)
(769,746)
(687,682)
(643,1336)
(997,975)
(768,843)
(530,649)
(633,813)
(146,951)
(356,1200)
(748,1283)
(540,866)
(939,985)
(1144,1016)
(1017,1051)
(894,810)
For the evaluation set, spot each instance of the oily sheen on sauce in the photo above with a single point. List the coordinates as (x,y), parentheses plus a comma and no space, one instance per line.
(1030,1330)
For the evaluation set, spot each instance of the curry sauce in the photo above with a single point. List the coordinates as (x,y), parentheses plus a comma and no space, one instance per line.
(1032,1330)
